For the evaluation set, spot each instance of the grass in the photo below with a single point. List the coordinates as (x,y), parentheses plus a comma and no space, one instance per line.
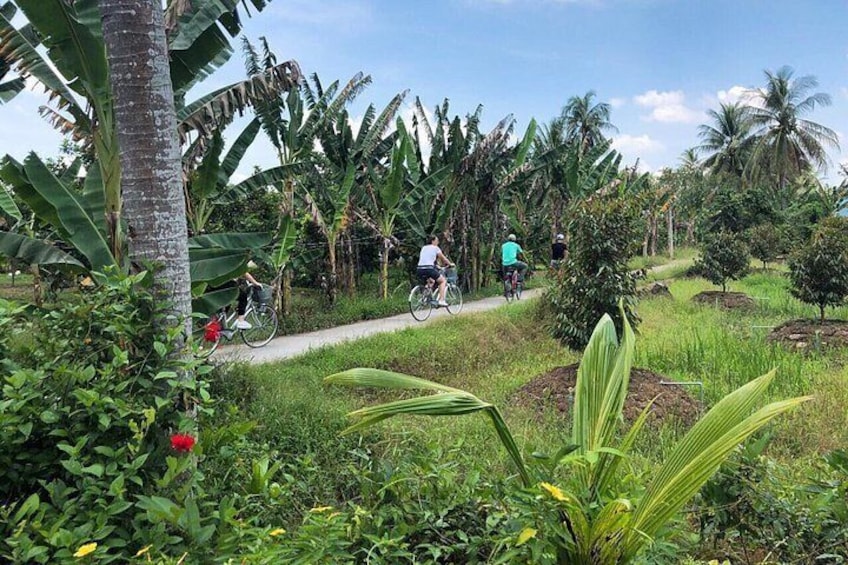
(493,354)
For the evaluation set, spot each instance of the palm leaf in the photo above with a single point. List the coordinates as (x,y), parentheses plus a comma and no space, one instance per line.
(700,453)
(448,401)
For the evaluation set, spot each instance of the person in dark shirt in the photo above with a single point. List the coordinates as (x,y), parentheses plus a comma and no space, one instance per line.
(557,251)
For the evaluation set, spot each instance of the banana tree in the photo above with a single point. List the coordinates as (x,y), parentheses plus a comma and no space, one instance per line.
(292,125)
(596,521)
(342,168)
(74,73)
(391,194)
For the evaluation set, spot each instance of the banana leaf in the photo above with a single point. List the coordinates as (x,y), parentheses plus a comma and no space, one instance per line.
(60,206)
(217,266)
(36,252)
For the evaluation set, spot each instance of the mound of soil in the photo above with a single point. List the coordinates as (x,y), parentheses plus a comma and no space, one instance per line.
(724,299)
(556,389)
(805,333)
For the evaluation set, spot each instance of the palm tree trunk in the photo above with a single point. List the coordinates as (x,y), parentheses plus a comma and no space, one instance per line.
(654,234)
(151,171)
(670,232)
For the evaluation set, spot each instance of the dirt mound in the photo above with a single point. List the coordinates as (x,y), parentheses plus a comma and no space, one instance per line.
(724,299)
(556,389)
(805,333)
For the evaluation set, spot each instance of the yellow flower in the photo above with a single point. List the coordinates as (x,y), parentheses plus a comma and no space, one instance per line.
(321,509)
(142,551)
(277,532)
(555,492)
(86,549)
(525,535)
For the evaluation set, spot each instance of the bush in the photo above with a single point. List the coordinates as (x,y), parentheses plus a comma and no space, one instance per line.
(767,242)
(724,256)
(603,236)
(819,270)
(89,407)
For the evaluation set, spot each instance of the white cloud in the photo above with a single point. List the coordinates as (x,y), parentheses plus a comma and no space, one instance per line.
(667,107)
(737,93)
(617,102)
(636,145)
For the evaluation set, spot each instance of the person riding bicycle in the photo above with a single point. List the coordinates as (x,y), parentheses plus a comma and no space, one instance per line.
(243,292)
(510,251)
(431,255)
(557,251)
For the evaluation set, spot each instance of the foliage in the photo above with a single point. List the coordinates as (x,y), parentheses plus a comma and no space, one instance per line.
(724,257)
(603,234)
(819,270)
(750,504)
(767,242)
(88,407)
(596,520)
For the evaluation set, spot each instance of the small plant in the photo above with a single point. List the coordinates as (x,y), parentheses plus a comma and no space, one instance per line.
(597,518)
(767,242)
(595,276)
(819,270)
(724,257)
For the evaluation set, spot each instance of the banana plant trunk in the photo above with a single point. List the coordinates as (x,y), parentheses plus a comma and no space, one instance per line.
(37,287)
(331,277)
(151,171)
(671,232)
(384,268)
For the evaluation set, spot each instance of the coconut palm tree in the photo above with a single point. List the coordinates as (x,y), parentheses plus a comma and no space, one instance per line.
(586,122)
(727,141)
(146,127)
(787,144)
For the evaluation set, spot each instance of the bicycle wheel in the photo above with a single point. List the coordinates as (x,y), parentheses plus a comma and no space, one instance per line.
(508,289)
(263,318)
(518,288)
(419,303)
(453,297)
(206,335)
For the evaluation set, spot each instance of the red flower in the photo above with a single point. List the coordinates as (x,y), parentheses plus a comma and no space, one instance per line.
(213,330)
(182,442)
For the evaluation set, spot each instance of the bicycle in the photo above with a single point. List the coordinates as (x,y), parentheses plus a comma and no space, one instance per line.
(512,284)
(258,312)
(424,297)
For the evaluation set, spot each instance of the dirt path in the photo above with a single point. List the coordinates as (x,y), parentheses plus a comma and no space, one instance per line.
(286,347)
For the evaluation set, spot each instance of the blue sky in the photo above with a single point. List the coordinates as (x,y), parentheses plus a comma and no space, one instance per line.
(660,63)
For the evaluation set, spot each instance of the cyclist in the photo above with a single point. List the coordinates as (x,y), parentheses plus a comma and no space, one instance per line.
(431,255)
(557,251)
(510,251)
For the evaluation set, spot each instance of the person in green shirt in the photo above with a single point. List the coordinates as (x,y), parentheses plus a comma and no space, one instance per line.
(510,251)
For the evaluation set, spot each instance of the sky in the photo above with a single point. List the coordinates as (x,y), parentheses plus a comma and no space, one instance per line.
(660,64)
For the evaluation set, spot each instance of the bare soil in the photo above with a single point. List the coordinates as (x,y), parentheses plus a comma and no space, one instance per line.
(806,333)
(555,389)
(728,300)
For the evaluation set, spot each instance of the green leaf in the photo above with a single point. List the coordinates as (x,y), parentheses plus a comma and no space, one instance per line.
(231,241)
(8,206)
(58,205)
(29,506)
(217,266)
(35,252)
(286,239)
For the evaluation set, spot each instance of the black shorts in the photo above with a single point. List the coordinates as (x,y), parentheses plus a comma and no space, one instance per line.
(425,273)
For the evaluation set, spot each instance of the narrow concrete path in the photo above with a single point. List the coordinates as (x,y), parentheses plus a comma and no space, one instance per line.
(286,347)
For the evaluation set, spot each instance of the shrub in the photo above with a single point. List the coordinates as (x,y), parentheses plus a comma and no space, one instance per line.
(767,242)
(819,270)
(603,236)
(89,406)
(724,256)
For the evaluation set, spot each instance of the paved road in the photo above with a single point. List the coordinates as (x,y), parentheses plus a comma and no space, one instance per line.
(286,347)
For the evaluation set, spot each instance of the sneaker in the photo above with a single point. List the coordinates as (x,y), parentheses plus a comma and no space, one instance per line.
(443,304)
(243,325)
